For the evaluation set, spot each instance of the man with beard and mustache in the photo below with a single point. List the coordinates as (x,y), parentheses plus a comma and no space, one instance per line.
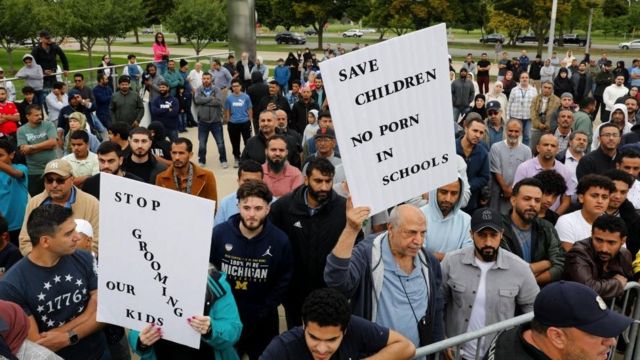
(257,258)
(59,190)
(529,237)
(593,194)
(165,108)
(546,160)
(570,157)
(279,175)
(618,117)
(605,156)
(476,155)
(185,176)
(600,261)
(140,162)
(313,218)
(504,158)
(110,159)
(484,284)
(448,228)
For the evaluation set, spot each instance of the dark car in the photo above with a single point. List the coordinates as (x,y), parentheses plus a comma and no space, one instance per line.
(492,38)
(572,39)
(288,37)
(310,32)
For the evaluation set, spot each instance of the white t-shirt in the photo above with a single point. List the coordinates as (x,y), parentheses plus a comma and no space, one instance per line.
(478,316)
(573,227)
(634,194)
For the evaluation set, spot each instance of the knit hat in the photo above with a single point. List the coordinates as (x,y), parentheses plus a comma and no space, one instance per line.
(567,95)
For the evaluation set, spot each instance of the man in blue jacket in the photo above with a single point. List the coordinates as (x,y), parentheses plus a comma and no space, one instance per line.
(257,258)
(389,277)
(471,147)
(165,108)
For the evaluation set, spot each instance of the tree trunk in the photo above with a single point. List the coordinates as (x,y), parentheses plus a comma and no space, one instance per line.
(90,43)
(10,59)
(135,33)
(109,43)
(320,33)
(81,42)
(382,32)
(179,39)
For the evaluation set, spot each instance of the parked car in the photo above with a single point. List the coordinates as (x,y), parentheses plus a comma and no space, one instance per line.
(147,31)
(633,44)
(572,39)
(368,31)
(352,33)
(310,31)
(530,37)
(288,37)
(492,38)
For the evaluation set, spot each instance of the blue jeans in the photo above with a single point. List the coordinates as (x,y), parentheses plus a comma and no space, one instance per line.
(172,135)
(182,121)
(457,111)
(526,131)
(161,66)
(215,128)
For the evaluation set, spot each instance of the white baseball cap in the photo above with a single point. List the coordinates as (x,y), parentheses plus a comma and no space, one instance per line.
(84,227)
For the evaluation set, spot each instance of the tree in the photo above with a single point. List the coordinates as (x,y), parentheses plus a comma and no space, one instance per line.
(199,21)
(318,12)
(511,24)
(14,28)
(402,16)
(472,14)
(124,16)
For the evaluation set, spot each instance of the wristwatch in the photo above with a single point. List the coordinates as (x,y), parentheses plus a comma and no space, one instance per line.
(73,337)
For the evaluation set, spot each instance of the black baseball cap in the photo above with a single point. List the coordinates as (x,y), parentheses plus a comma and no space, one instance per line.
(486,218)
(493,105)
(570,304)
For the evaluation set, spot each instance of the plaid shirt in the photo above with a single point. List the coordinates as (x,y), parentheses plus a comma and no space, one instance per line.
(520,102)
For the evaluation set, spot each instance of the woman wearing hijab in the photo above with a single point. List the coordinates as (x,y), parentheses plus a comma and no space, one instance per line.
(77,121)
(508,83)
(294,67)
(497,95)
(562,83)
(479,105)
(14,329)
(621,70)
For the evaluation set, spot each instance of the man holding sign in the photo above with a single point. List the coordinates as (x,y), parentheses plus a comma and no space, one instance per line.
(56,287)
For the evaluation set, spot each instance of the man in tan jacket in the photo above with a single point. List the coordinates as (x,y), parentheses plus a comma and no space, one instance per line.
(59,190)
(544,105)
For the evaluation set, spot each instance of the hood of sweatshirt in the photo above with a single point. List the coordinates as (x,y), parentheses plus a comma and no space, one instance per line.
(621,107)
(29,56)
(434,209)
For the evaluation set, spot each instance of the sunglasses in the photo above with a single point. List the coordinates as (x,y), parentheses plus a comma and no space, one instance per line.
(57,180)
(492,112)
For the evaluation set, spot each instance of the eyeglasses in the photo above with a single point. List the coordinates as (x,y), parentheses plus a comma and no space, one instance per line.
(611,135)
(57,180)
(491,113)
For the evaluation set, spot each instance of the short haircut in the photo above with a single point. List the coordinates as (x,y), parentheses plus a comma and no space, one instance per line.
(324,113)
(235,81)
(7,146)
(273,82)
(33,107)
(629,97)
(28,90)
(101,76)
(576,133)
(4,225)
(586,102)
(254,188)
(619,175)
(270,112)
(45,220)
(250,166)
(151,65)
(80,135)
(611,224)
(276,137)
(140,130)
(608,125)
(58,85)
(514,120)
(108,147)
(526,182)
(207,74)
(552,182)
(548,82)
(123,79)
(78,75)
(594,180)
(121,129)
(131,56)
(217,61)
(183,140)
(326,307)
(470,120)
(296,81)
(538,327)
(324,166)
(3,89)
(627,153)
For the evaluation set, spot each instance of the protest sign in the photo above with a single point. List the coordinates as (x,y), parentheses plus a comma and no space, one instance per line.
(154,256)
(391,108)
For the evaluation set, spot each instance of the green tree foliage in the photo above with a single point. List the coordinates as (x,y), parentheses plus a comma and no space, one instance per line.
(402,16)
(318,12)
(199,21)
(124,15)
(14,27)
(615,8)
(512,25)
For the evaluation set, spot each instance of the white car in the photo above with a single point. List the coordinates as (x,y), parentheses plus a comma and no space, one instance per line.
(352,33)
(633,44)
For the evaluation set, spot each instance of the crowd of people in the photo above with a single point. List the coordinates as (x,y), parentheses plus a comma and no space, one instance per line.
(544,215)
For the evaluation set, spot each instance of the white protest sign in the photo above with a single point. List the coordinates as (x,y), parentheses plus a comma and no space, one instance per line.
(391,108)
(154,256)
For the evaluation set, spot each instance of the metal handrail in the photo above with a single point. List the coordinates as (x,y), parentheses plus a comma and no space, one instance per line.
(630,334)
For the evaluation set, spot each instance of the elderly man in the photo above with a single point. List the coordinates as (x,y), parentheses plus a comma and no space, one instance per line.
(325,139)
(59,190)
(389,277)
(570,322)
(484,284)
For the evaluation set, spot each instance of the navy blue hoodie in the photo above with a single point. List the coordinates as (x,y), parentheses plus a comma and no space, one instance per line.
(258,269)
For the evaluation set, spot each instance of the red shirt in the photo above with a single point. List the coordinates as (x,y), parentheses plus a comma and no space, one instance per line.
(8,127)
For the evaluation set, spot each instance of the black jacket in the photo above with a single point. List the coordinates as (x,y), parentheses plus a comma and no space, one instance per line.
(595,162)
(256,146)
(47,59)
(298,119)
(240,70)
(631,217)
(632,137)
(312,237)
(280,101)
(256,91)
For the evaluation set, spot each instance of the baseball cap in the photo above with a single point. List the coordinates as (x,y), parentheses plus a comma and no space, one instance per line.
(571,304)
(45,34)
(493,105)
(486,218)
(73,92)
(566,95)
(1,69)
(163,82)
(58,166)
(325,133)
(84,227)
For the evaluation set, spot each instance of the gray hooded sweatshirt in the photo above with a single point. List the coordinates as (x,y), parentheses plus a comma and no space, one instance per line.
(32,74)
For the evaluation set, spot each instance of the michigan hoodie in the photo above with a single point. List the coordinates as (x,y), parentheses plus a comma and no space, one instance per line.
(446,234)
(258,269)
(32,74)
(627,125)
